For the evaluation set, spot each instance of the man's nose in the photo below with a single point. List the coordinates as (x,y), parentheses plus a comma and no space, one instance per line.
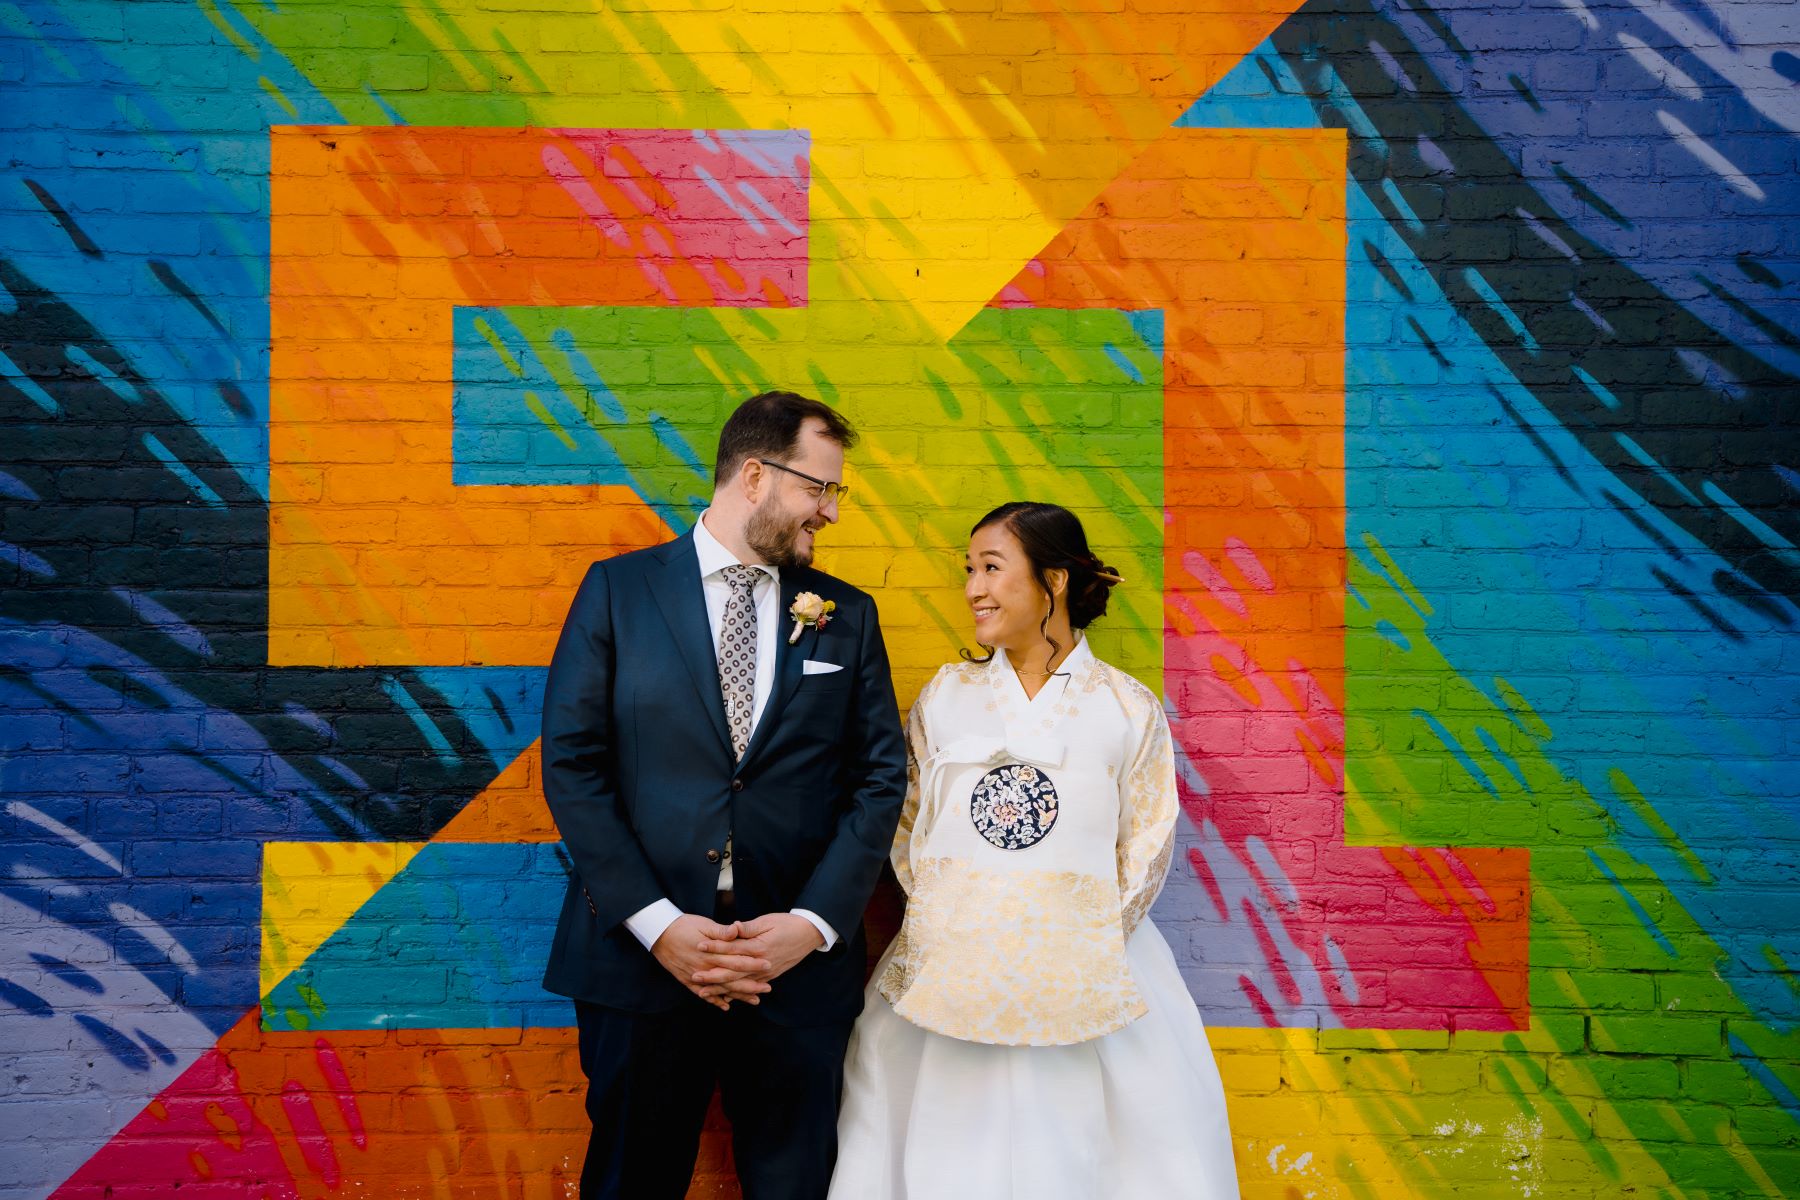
(828,508)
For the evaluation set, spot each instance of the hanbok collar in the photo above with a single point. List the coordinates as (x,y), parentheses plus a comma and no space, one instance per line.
(1031,727)
(1021,738)
(1010,690)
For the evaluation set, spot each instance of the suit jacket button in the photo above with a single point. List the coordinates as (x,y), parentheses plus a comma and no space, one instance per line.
(737,785)
(712,856)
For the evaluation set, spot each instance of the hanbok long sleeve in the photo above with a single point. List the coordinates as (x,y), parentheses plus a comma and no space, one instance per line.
(1148,807)
(916,752)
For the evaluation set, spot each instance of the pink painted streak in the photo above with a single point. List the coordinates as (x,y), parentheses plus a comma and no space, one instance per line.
(732,211)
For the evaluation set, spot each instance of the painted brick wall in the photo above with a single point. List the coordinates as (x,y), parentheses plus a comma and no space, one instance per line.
(1429,371)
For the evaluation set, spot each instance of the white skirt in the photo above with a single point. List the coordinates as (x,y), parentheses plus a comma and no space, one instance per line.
(1138,1114)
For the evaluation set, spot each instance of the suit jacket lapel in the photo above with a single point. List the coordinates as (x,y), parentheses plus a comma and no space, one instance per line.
(682,603)
(789,660)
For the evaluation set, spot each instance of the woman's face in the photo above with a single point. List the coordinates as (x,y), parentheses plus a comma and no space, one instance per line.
(1003,594)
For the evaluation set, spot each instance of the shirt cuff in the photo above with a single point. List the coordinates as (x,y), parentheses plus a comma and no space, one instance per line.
(818,922)
(648,923)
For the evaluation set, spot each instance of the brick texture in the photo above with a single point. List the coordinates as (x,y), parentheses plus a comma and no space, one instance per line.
(1428,371)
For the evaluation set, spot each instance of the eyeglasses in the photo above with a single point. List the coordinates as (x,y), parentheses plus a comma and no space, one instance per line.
(826,493)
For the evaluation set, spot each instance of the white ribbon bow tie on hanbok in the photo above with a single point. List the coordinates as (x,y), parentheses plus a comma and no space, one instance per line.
(1037,750)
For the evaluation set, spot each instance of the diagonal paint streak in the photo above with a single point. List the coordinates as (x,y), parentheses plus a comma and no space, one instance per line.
(729,201)
(165,275)
(427,725)
(1759,1070)
(82,241)
(1709,156)
(32,816)
(181,471)
(1440,243)
(1632,903)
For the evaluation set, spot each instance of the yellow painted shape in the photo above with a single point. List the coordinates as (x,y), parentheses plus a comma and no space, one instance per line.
(309,889)
(956,143)
(1380,1115)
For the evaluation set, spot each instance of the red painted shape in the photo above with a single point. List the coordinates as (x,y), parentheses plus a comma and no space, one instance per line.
(376,1113)
(200,1136)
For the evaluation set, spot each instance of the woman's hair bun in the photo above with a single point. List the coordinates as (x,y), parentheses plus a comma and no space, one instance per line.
(1090,586)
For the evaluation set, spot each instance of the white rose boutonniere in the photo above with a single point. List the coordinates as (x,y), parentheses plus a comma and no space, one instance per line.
(808,609)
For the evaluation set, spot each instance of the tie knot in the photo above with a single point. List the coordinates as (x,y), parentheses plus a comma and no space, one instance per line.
(741,577)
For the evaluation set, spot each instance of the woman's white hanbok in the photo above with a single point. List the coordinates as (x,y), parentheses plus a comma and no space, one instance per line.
(1028,1034)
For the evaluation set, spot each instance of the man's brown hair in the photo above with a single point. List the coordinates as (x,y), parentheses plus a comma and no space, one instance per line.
(768,426)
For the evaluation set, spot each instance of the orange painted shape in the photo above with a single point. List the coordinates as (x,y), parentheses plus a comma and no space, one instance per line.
(375,556)
(1239,237)
(510,809)
(408,1112)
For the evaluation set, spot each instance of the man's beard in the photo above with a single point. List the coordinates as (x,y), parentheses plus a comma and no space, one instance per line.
(776,539)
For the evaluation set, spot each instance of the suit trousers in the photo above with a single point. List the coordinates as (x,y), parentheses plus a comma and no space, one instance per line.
(651,1077)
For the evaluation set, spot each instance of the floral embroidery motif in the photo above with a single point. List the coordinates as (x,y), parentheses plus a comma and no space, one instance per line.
(1013,806)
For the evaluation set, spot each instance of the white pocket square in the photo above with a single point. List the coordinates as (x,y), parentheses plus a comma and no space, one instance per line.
(813,667)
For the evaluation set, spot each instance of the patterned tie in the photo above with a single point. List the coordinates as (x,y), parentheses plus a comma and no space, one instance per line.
(737,654)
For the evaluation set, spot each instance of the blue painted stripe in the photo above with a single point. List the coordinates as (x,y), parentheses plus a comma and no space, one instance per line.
(428,728)
(181,470)
(1499,307)
(1125,364)
(1759,1070)
(1457,752)
(28,385)
(1637,909)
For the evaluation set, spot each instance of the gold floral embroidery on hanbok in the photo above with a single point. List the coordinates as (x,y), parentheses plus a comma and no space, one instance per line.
(1015,959)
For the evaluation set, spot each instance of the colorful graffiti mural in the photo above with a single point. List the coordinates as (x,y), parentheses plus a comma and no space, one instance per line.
(1428,368)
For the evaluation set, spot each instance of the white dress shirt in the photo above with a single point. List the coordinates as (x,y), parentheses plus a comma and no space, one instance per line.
(649,922)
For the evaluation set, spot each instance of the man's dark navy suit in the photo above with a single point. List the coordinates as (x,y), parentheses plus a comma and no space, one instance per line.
(640,776)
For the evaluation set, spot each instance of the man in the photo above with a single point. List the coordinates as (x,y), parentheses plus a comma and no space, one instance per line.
(727,777)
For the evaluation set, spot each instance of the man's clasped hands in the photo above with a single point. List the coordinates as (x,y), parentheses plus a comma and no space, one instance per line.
(722,963)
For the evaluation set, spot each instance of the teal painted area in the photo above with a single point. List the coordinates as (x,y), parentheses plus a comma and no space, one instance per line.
(597,396)
(456,940)
(500,708)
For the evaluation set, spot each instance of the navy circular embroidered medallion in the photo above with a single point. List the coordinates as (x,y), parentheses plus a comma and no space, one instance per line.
(1013,806)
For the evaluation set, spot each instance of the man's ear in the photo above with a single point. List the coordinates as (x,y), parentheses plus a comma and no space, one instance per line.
(752,477)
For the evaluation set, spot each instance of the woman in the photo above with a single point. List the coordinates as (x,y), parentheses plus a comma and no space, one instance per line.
(1028,1033)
